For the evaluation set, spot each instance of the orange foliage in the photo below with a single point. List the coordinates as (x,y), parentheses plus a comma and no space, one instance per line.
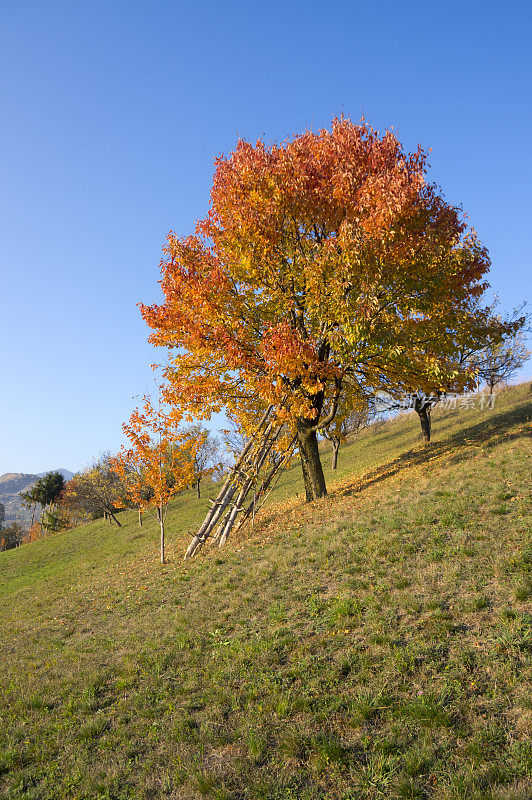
(159,463)
(326,267)
(34,533)
(319,256)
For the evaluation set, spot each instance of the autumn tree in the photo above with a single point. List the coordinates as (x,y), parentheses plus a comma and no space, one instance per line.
(77,504)
(56,519)
(34,533)
(419,401)
(11,536)
(159,463)
(96,492)
(490,351)
(327,263)
(470,337)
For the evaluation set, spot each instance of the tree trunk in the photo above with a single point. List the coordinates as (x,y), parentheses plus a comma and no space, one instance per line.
(309,494)
(198,488)
(423,412)
(336,446)
(310,458)
(161,525)
(140,518)
(111,517)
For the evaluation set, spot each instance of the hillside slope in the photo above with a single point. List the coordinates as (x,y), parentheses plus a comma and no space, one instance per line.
(377,643)
(11,484)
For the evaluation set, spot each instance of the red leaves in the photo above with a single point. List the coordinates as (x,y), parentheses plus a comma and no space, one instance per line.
(159,462)
(324,256)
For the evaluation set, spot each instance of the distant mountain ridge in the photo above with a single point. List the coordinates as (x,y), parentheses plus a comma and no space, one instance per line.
(11,484)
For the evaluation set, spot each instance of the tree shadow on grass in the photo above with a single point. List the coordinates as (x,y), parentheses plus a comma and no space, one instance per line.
(508,426)
(485,435)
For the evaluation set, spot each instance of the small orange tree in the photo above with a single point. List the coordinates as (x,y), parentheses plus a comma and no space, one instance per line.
(159,463)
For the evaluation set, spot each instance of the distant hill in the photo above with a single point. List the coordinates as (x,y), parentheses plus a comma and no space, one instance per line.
(11,484)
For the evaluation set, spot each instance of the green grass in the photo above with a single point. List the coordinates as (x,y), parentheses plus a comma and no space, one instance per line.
(376,644)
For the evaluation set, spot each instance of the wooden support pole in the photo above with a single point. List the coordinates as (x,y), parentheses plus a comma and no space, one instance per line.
(229,488)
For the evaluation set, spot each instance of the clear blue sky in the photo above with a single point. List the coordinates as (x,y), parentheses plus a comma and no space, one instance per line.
(112,112)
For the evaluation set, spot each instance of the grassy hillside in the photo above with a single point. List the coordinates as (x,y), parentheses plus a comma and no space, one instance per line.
(376,644)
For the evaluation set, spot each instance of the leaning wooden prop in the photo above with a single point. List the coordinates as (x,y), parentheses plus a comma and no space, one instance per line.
(248,474)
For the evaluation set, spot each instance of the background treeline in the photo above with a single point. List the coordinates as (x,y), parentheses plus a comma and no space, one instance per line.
(99,492)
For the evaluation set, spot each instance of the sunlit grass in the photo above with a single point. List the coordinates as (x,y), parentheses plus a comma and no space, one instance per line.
(374,644)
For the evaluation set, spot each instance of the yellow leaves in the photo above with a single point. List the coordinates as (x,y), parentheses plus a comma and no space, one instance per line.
(160,461)
(324,254)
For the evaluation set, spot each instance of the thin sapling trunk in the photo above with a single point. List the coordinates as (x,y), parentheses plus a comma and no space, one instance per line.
(160,516)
